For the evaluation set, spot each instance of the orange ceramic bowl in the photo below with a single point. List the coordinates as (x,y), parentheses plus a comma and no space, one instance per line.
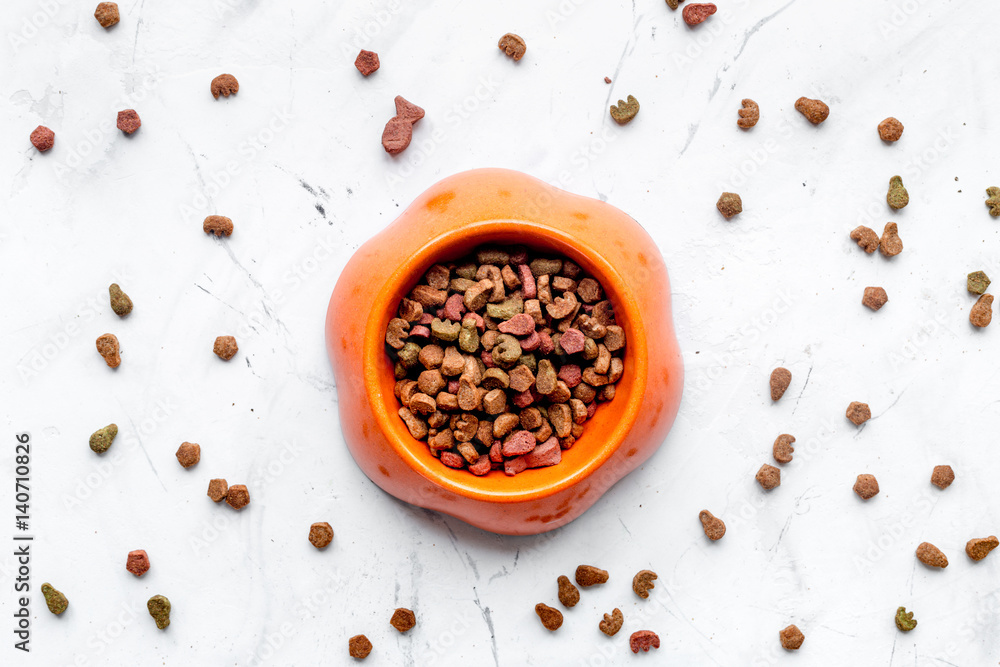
(448,220)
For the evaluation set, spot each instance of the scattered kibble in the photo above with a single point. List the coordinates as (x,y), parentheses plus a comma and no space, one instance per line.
(137,562)
(107,347)
(982,311)
(607,79)
(890,130)
(625,111)
(403,619)
(225,347)
(612,622)
(931,556)
(673,4)
(815,111)
(904,620)
(120,303)
(977,282)
(513,45)
(780,379)
(358,647)
(569,595)
(551,618)
(588,575)
(188,454)
(897,197)
(979,548)
(993,201)
(238,496)
(367,62)
(874,297)
(128,121)
(866,487)
(101,439)
(749,114)
(696,13)
(942,476)
(107,14)
(54,599)
(218,489)
(782,449)
(768,477)
(643,640)
(890,245)
(729,204)
(642,583)
(791,638)
(713,526)
(225,85)
(398,131)
(159,609)
(858,413)
(42,138)
(219,225)
(866,237)
(321,534)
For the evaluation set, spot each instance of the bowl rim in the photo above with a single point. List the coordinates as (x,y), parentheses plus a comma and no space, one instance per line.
(453,243)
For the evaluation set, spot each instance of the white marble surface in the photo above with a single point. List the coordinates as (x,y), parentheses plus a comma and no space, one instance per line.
(295,160)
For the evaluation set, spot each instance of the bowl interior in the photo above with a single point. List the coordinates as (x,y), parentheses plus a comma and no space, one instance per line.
(603,433)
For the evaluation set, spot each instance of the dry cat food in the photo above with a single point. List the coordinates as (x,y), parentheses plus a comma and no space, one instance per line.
(225,347)
(942,476)
(890,244)
(780,379)
(54,599)
(904,620)
(501,357)
(874,297)
(931,556)
(625,111)
(729,204)
(890,130)
(588,575)
(128,121)
(977,282)
(866,487)
(673,4)
(768,477)
(791,638)
(696,13)
(320,534)
(643,640)
(980,548)
(569,595)
(612,622)
(403,619)
(159,608)
(858,413)
(218,489)
(219,225)
(120,303)
(815,111)
(642,583)
(225,85)
(107,347)
(513,45)
(897,197)
(713,526)
(992,200)
(749,114)
(367,62)
(551,618)
(782,449)
(188,454)
(101,439)
(107,14)
(982,311)
(866,237)
(137,562)
(238,496)
(358,647)
(42,138)
(398,131)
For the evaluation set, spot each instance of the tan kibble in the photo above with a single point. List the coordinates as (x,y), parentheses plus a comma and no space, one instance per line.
(791,638)
(551,618)
(219,225)
(982,311)
(238,496)
(107,14)
(320,534)
(513,45)
(866,486)
(612,622)
(874,297)
(217,489)
(225,85)
(980,548)
(729,204)
(866,238)
(588,575)
(890,245)
(942,476)
(780,379)
(782,449)
(713,526)
(815,111)
(749,114)
(642,583)
(858,413)
(225,347)
(569,595)
(768,477)
(188,454)
(107,346)
(890,130)
(931,556)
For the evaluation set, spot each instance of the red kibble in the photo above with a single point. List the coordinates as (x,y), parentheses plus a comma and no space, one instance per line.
(515,465)
(128,121)
(43,138)
(137,562)
(519,442)
(367,62)
(572,341)
(548,453)
(452,460)
(570,373)
(521,324)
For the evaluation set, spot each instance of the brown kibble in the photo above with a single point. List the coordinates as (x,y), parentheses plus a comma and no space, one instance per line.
(107,346)
(980,548)
(217,489)
(238,496)
(225,347)
(673,4)
(815,111)
(403,619)
(588,575)
(890,245)
(768,477)
(225,85)
(137,562)
(866,487)
(107,14)
(645,639)
(942,477)
(128,121)
(729,204)
(642,583)
(791,638)
(749,114)
(552,618)
(607,79)
(982,311)
(359,647)
(612,622)
(858,413)
(569,594)
(931,556)
(42,138)
(874,297)
(219,225)
(366,62)
(890,130)
(713,526)
(866,237)
(780,379)
(321,534)
(513,46)
(188,454)
(782,449)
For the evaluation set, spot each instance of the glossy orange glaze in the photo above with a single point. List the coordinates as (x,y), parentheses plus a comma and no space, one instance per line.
(445,222)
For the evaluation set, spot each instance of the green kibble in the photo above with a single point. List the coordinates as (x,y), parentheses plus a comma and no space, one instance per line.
(409,354)
(590,349)
(529,361)
(445,330)
(493,256)
(120,303)
(54,599)
(904,620)
(467,271)
(101,440)
(468,337)
(541,267)
(159,609)
(993,201)
(897,197)
(978,282)
(399,371)
(506,309)
(507,350)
